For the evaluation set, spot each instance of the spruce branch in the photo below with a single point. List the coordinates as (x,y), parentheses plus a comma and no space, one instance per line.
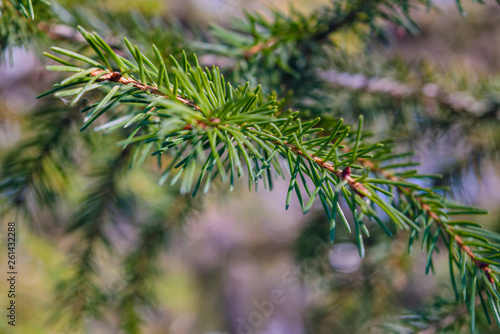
(104,75)
(201,130)
(440,220)
(344,175)
(211,129)
(238,128)
(463,239)
(224,130)
(118,78)
(282,52)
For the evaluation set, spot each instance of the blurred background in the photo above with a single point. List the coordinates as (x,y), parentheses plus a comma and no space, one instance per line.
(237,262)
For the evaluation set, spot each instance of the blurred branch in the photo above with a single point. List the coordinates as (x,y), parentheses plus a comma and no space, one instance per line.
(36,165)
(101,204)
(141,265)
(318,26)
(457,101)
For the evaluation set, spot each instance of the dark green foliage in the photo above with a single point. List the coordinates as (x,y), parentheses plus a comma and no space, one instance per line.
(212,129)
(207,126)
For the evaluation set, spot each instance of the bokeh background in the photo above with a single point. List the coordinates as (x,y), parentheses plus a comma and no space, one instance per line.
(237,261)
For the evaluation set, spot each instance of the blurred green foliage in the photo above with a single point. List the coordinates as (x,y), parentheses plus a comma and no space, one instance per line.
(103,248)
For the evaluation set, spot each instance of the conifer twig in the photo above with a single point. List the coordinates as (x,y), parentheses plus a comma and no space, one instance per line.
(119,78)
(483,266)
(242,132)
(343,174)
